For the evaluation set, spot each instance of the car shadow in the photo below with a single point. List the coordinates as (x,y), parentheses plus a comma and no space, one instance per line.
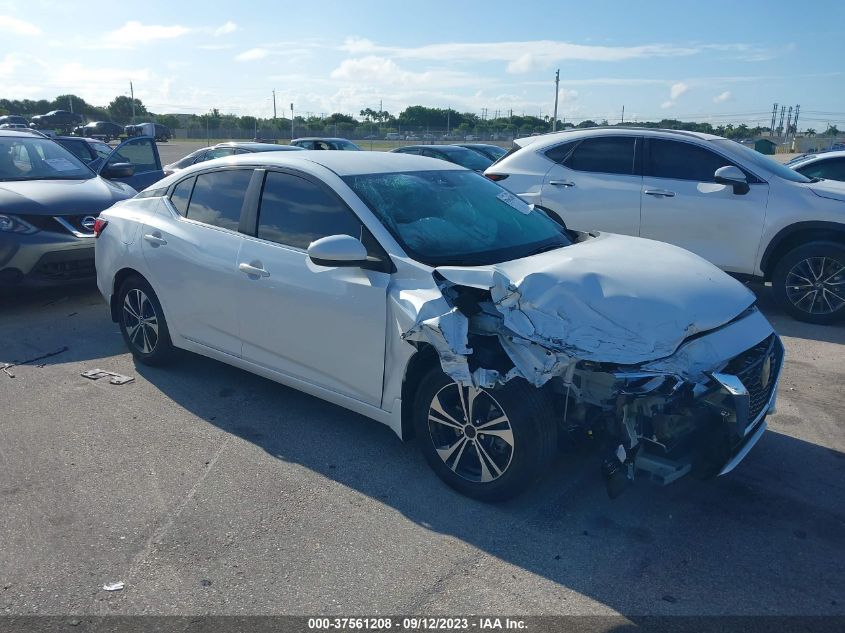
(757,541)
(785,325)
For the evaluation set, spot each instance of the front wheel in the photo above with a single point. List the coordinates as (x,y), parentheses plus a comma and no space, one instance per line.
(142,323)
(809,282)
(487,444)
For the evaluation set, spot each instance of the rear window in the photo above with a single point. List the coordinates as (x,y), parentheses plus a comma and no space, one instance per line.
(218,196)
(604,154)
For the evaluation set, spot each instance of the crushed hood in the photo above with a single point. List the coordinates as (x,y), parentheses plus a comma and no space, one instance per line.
(610,299)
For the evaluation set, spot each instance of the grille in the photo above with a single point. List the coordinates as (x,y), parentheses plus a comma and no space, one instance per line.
(50,223)
(757,369)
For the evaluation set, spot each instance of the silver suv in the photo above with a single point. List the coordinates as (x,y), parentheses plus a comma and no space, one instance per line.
(743,211)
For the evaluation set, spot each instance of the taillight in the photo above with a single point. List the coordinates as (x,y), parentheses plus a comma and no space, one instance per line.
(99,225)
(496,177)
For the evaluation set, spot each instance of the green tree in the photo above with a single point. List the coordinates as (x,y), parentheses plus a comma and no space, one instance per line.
(832,130)
(120,109)
(810,131)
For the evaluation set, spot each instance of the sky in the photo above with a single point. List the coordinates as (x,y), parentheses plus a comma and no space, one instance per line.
(714,61)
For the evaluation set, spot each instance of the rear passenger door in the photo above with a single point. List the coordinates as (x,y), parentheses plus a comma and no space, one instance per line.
(595,184)
(191,247)
(324,326)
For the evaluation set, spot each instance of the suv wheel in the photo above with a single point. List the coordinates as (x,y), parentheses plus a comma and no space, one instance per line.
(486,444)
(142,323)
(809,282)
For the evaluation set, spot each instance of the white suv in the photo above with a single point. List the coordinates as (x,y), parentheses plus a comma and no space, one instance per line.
(743,211)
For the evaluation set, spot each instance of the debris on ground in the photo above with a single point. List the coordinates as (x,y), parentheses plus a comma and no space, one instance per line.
(8,366)
(114,586)
(115,379)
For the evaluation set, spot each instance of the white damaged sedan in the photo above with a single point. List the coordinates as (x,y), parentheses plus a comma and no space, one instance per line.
(424,296)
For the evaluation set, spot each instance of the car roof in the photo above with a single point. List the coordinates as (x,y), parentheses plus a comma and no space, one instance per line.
(800,161)
(552,138)
(341,163)
(444,148)
(321,138)
(20,133)
(77,138)
(254,146)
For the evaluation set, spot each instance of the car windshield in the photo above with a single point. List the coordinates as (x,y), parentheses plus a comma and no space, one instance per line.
(456,217)
(799,159)
(34,158)
(103,150)
(467,158)
(761,160)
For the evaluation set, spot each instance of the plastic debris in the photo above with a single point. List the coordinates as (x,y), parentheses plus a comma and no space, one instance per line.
(114,586)
(115,379)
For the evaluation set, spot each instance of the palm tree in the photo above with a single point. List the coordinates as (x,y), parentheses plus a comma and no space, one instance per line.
(810,131)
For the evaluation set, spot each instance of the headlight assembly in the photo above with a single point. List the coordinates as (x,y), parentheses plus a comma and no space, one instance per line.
(14,224)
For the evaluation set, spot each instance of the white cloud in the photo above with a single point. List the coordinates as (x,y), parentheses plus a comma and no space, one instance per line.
(721,98)
(134,33)
(520,57)
(677,90)
(19,27)
(229,27)
(252,55)
(667,104)
(383,71)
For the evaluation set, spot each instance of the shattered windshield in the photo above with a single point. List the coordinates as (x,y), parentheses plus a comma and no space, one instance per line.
(456,217)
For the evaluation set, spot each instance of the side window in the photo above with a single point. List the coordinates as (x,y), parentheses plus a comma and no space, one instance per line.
(682,161)
(830,169)
(219,152)
(295,212)
(78,149)
(432,154)
(559,153)
(140,152)
(604,154)
(182,195)
(218,197)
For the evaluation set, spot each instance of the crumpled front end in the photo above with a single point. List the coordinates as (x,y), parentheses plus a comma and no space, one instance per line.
(659,389)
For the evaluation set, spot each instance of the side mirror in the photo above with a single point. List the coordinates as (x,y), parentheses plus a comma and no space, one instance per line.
(731,175)
(118,170)
(337,250)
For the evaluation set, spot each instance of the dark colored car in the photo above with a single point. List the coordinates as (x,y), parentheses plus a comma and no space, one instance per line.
(105,130)
(224,149)
(493,152)
(57,119)
(158,131)
(49,202)
(13,119)
(452,153)
(319,142)
(85,149)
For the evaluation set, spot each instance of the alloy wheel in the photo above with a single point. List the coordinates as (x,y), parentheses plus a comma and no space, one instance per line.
(816,285)
(471,433)
(140,320)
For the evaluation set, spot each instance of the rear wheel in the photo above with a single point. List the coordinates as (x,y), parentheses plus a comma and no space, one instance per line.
(487,444)
(809,282)
(142,323)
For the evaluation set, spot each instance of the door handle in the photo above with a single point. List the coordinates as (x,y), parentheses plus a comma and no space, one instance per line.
(660,193)
(155,240)
(252,270)
(562,183)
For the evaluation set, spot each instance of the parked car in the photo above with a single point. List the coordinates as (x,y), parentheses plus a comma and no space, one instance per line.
(105,130)
(452,153)
(743,211)
(13,119)
(392,136)
(827,165)
(88,150)
(314,142)
(49,202)
(493,152)
(429,298)
(13,126)
(221,150)
(159,132)
(62,119)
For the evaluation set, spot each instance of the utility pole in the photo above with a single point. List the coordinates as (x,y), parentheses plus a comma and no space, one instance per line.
(557,90)
(788,123)
(70,101)
(449,111)
(795,122)
(623,113)
(774,117)
(291,121)
(780,125)
(132,97)
(274,104)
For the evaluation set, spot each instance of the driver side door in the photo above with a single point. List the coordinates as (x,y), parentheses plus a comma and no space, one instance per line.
(141,152)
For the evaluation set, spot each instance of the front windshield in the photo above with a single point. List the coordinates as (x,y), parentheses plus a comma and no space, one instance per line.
(468,158)
(33,158)
(456,217)
(761,160)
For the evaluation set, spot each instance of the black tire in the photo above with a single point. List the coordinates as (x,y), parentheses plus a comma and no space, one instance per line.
(531,422)
(149,341)
(827,259)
